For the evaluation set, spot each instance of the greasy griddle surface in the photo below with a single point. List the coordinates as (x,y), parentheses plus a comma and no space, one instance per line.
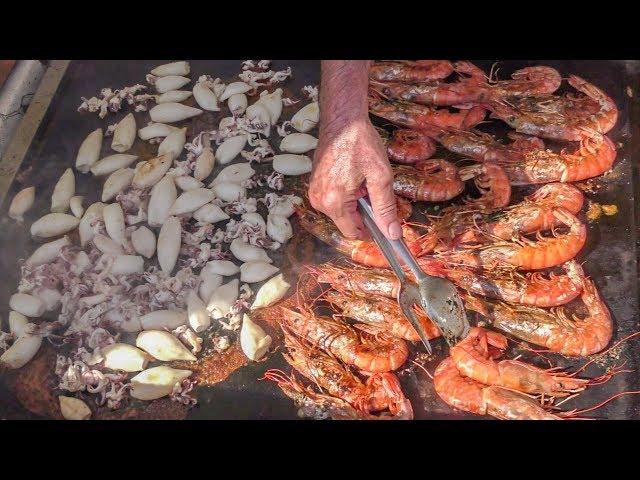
(609,256)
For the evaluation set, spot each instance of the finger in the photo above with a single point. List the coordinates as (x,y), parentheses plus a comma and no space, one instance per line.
(341,208)
(383,202)
(351,226)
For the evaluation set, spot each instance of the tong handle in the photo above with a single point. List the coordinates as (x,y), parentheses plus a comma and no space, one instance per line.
(383,242)
(386,245)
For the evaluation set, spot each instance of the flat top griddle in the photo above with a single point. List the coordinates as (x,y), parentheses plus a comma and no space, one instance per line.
(610,255)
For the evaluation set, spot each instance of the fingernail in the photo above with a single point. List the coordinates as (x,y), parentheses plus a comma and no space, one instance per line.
(395,231)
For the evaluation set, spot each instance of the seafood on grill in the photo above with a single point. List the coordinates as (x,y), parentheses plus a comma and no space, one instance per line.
(433,180)
(410,146)
(410,71)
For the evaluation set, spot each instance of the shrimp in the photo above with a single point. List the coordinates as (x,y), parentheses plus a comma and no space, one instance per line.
(411,115)
(527,254)
(561,118)
(492,182)
(382,312)
(367,350)
(411,72)
(471,396)
(410,146)
(474,357)
(360,251)
(370,281)
(535,288)
(553,329)
(428,180)
(475,89)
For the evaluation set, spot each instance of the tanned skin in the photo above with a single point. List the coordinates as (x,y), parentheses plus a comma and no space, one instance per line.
(350,160)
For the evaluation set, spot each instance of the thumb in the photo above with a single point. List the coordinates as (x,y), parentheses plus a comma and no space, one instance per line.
(383,202)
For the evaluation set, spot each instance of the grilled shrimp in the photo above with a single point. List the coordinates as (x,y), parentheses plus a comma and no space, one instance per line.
(374,281)
(428,180)
(412,115)
(411,72)
(475,355)
(492,182)
(553,329)
(561,118)
(381,312)
(410,146)
(471,396)
(368,350)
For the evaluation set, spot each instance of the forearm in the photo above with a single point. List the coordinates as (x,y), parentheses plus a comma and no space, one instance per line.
(343,93)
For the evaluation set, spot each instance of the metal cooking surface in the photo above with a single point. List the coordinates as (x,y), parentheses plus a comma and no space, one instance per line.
(610,255)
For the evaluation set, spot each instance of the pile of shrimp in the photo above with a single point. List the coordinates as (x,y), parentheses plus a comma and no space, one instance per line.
(513,261)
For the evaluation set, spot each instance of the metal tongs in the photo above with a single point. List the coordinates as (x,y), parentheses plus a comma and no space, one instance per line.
(438,297)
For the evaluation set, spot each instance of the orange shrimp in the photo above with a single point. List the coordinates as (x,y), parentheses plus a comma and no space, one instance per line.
(374,281)
(364,252)
(411,72)
(562,118)
(428,180)
(527,254)
(553,329)
(410,146)
(471,396)
(411,115)
(475,355)
(381,312)
(492,182)
(368,350)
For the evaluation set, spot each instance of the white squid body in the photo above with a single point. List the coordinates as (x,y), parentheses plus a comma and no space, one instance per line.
(53,224)
(47,252)
(253,339)
(198,316)
(122,356)
(75,203)
(50,298)
(204,164)
(173,68)
(94,212)
(107,245)
(125,324)
(127,265)
(172,112)
(209,284)
(258,113)
(229,192)
(144,241)
(271,292)
(114,222)
(285,205)
(73,408)
(223,299)
(186,183)
(236,173)
(173,143)
(230,149)
(234,88)
(169,241)
(245,252)
(117,182)
(27,305)
(237,103)
(306,118)
(205,97)
(254,218)
(163,346)
(279,228)
(290,164)
(112,163)
(125,134)
(89,151)
(225,123)
(63,191)
(17,323)
(191,201)
(173,96)
(21,352)
(170,82)
(257,271)
(21,203)
(221,267)
(273,103)
(298,143)
(163,194)
(161,319)
(155,130)
(210,213)
(150,172)
(156,382)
